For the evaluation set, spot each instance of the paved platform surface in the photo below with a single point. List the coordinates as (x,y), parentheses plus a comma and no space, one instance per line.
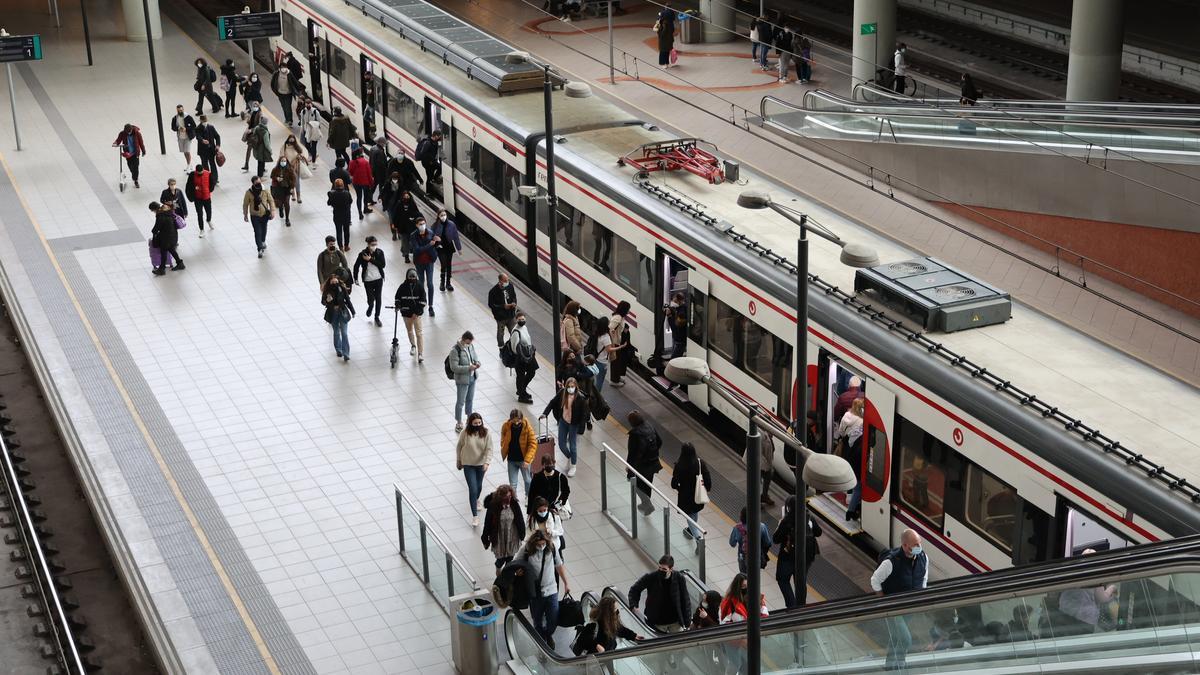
(252,471)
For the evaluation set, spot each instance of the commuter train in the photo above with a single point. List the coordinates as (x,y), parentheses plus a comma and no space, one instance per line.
(987,481)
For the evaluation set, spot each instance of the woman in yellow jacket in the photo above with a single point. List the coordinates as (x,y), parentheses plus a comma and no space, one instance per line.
(518,446)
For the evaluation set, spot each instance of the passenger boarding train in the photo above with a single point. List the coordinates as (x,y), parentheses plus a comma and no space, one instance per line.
(987,482)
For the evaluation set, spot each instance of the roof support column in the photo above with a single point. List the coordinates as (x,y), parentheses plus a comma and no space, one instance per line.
(1097,41)
(874,38)
(718,19)
(135,20)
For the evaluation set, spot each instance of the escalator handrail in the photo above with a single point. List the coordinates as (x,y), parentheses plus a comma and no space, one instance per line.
(1141,562)
(642,627)
(1025,103)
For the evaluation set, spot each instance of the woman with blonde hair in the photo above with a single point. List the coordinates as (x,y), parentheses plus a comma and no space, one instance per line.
(849,432)
(296,156)
(605,628)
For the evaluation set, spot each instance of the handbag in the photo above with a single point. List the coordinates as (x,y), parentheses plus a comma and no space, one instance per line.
(180,221)
(305,172)
(565,510)
(701,493)
(674,56)
(220,158)
(570,612)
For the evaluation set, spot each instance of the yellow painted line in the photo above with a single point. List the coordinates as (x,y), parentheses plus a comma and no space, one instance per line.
(222,574)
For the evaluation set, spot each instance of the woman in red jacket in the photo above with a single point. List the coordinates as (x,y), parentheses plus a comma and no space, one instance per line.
(133,148)
(364,182)
(199,189)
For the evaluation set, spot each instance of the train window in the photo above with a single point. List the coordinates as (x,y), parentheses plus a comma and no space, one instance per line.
(626,264)
(563,225)
(345,70)
(292,30)
(696,323)
(511,198)
(760,350)
(645,291)
(466,151)
(928,470)
(724,330)
(783,374)
(992,507)
(600,240)
(491,172)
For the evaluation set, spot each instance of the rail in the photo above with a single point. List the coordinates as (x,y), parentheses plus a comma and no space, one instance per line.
(655,539)
(1161,117)
(873,89)
(61,631)
(443,578)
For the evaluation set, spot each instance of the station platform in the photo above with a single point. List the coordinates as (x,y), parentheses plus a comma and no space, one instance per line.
(248,471)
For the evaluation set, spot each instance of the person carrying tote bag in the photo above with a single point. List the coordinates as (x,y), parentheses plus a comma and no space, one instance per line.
(691,481)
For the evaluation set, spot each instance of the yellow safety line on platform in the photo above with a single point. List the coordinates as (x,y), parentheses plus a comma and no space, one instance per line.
(153,447)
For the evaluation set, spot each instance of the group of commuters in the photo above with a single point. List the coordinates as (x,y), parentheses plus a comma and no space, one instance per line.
(793,49)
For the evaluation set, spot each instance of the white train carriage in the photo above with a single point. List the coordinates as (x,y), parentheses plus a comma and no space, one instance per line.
(990,477)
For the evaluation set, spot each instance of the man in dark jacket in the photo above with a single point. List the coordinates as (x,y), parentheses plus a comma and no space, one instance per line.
(185,130)
(379,163)
(286,86)
(410,178)
(502,300)
(644,443)
(371,262)
(410,299)
(208,142)
(203,86)
(427,153)
(341,130)
(668,607)
(423,244)
(329,261)
(339,171)
(165,237)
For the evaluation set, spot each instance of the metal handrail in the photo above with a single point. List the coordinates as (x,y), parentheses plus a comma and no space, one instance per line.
(1021,103)
(60,624)
(670,503)
(452,562)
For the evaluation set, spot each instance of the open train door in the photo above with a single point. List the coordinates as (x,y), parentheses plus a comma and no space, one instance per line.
(315,59)
(876,466)
(697,300)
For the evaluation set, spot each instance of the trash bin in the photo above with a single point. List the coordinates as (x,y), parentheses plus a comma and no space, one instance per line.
(475,631)
(691,29)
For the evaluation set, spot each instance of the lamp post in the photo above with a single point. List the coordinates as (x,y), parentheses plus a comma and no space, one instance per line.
(825,473)
(571,90)
(853,255)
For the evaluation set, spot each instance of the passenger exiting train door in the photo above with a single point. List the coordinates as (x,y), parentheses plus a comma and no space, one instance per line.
(431,160)
(372,94)
(315,59)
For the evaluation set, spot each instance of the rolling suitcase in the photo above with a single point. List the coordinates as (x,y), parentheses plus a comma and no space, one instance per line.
(545,444)
(155,254)
(214,99)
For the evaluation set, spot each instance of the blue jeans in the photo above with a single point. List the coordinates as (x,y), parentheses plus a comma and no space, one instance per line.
(466,395)
(544,612)
(474,476)
(341,337)
(518,467)
(601,376)
(855,502)
(692,527)
(260,229)
(568,441)
(425,276)
(899,643)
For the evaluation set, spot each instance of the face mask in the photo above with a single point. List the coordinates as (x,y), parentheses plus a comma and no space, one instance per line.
(570,390)
(549,472)
(421,229)
(442,217)
(579,312)
(283,164)
(521,323)
(256,188)
(330,247)
(541,548)
(916,550)
(477,426)
(395,183)
(504,285)
(412,278)
(664,575)
(371,248)
(542,515)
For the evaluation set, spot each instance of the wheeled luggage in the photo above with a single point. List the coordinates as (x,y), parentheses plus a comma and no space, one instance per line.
(545,444)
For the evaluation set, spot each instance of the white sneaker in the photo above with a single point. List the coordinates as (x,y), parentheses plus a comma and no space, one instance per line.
(420,358)
(458,428)
(571,471)
(201,234)
(412,351)
(475,521)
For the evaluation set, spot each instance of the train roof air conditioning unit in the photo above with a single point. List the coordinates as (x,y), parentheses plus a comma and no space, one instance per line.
(935,295)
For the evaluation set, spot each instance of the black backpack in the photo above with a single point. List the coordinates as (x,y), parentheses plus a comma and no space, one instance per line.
(584,636)
(449,370)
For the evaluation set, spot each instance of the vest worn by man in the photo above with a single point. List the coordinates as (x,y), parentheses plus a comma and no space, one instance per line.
(907,573)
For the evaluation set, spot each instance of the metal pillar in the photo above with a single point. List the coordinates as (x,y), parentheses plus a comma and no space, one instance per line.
(612,75)
(12,103)
(719,22)
(552,225)
(753,548)
(1097,42)
(57,18)
(136,28)
(87,34)
(800,423)
(158,116)
(872,50)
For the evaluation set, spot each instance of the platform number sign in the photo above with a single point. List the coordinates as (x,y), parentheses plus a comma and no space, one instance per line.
(868,29)
(250,26)
(20,48)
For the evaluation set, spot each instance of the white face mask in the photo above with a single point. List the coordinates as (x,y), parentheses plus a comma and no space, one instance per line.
(371,248)
(570,390)
(442,217)
(421,228)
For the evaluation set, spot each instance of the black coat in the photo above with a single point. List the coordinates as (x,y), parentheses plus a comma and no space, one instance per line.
(189,124)
(673,606)
(178,199)
(643,446)
(164,234)
(499,297)
(340,172)
(377,258)
(491,520)
(252,91)
(403,216)
(783,536)
(579,410)
(379,163)
(683,481)
(335,301)
(208,139)
(341,201)
(555,489)
(410,178)
(410,298)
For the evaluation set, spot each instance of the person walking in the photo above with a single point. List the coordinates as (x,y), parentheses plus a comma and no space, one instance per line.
(341,130)
(339,198)
(463,362)
(687,472)
(258,209)
(734,610)
(968,92)
(260,141)
(546,519)
(449,243)
(185,130)
(618,332)
(379,162)
(423,244)
(402,218)
(604,629)
(339,309)
(364,182)
(677,320)
(310,128)
(642,454)
(606,351)
(174,196)
(503,525)
(664,27)
(198,191)
(428,153)
(403,166)
(502,300)
(570,411)
(900,67)
(133,148)
(766,464)
(518,446)
(253,117)
(332,261)
(550,579)
(229,84)
(203,85)
(572,334)
(389,193)
(297,159)
(371,262)
(410,299)
(668,607)
(285,85)
(283,186)
(739,537)
(550,484)
(251,94)
(905,568)
(785,49)
(848,438)
(339,172)
(165,237)
(785,562)
(473,456)
(520,342)
(208,144)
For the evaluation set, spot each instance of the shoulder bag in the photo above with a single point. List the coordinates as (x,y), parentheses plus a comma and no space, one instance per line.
(701,492)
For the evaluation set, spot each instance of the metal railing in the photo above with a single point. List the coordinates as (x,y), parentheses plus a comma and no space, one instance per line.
(655,539)
(61,631)
(441,571)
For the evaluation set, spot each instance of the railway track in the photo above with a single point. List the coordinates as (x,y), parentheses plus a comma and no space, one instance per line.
(63,608)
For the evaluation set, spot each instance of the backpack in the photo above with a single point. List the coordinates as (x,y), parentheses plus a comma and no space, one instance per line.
(762,543)
(212,74)
(584,636)
(425,150)
(450,371)
(189,187)
(507,356)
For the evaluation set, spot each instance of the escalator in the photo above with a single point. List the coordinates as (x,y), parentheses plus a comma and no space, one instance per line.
(1134,610)
(1148,133)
